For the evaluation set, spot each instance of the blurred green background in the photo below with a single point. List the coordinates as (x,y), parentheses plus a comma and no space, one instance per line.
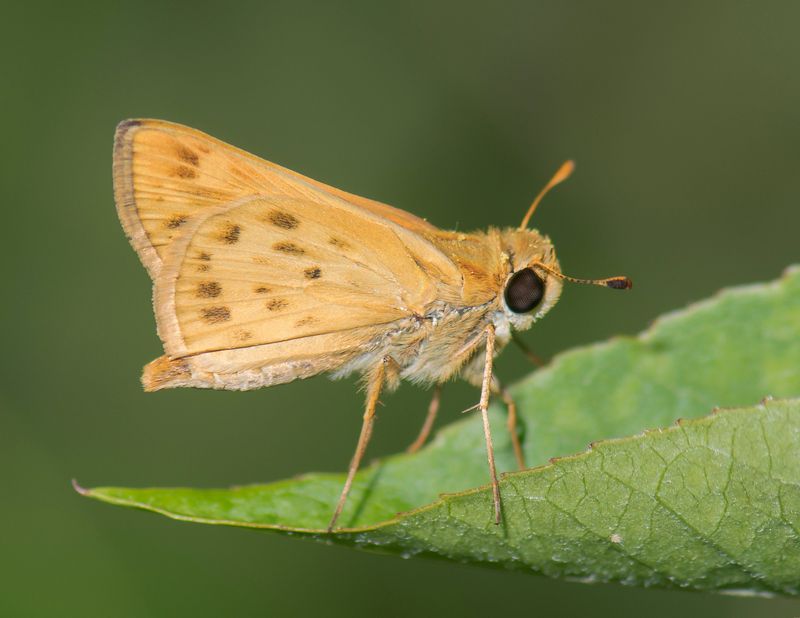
(684,123)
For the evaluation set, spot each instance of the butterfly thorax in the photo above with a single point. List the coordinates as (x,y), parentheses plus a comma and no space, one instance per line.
(486,261)
(449,335)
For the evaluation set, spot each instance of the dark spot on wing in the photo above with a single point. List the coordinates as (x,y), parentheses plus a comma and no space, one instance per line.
(210,194)
(185,172)
(306,321)
(277,304)
(230,234)
(241,171)
(243,335)
(283,220)
(208,289)
(205,257)
(215,315)
(338,242)
(289,248)
(313,273)
(188,156)
(176,221)
(262,289)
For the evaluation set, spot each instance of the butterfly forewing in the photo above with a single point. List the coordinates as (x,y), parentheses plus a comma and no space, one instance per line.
(166,173)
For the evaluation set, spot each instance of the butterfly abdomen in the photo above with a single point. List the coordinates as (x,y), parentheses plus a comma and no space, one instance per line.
(165,372)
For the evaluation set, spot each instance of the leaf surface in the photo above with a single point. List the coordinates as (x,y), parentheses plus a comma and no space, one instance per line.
(710,504)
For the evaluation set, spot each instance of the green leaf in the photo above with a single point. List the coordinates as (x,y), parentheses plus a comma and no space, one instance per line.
(709,504)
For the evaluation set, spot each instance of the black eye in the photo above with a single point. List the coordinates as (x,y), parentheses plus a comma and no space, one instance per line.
(524,291)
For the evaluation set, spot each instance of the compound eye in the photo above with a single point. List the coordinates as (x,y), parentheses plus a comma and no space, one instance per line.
(524,291)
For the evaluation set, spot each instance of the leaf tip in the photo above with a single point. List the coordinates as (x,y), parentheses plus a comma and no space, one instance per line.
(81,490)
(790,270)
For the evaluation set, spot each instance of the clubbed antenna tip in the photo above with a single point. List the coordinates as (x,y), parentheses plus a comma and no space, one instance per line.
(619,283)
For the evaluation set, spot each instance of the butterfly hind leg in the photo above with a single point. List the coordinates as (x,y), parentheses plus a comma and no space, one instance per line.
(375,383)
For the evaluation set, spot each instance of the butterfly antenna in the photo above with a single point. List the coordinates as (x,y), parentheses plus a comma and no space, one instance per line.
(564,172)
(615,283)
(560,176)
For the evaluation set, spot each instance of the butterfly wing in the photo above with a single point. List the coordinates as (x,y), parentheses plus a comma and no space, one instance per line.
(165,174)
(268,270)
(261,275)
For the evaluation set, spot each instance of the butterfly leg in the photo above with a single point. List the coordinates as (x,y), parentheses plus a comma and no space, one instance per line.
(529,354)
(433,408)
(373,392)
(486,388)
(513,430)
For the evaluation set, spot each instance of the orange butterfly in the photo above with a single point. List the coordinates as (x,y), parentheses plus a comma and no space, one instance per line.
(262,276)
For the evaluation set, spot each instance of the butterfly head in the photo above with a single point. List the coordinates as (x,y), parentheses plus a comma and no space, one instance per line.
(535,279)
(529,290)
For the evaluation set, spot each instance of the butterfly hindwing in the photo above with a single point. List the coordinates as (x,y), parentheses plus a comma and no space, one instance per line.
(265,270)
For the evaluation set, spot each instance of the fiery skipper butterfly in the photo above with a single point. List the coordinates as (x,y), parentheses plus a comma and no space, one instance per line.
(262,276)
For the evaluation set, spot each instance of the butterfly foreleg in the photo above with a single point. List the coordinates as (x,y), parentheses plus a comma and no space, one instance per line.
(473,372)
(486,388)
